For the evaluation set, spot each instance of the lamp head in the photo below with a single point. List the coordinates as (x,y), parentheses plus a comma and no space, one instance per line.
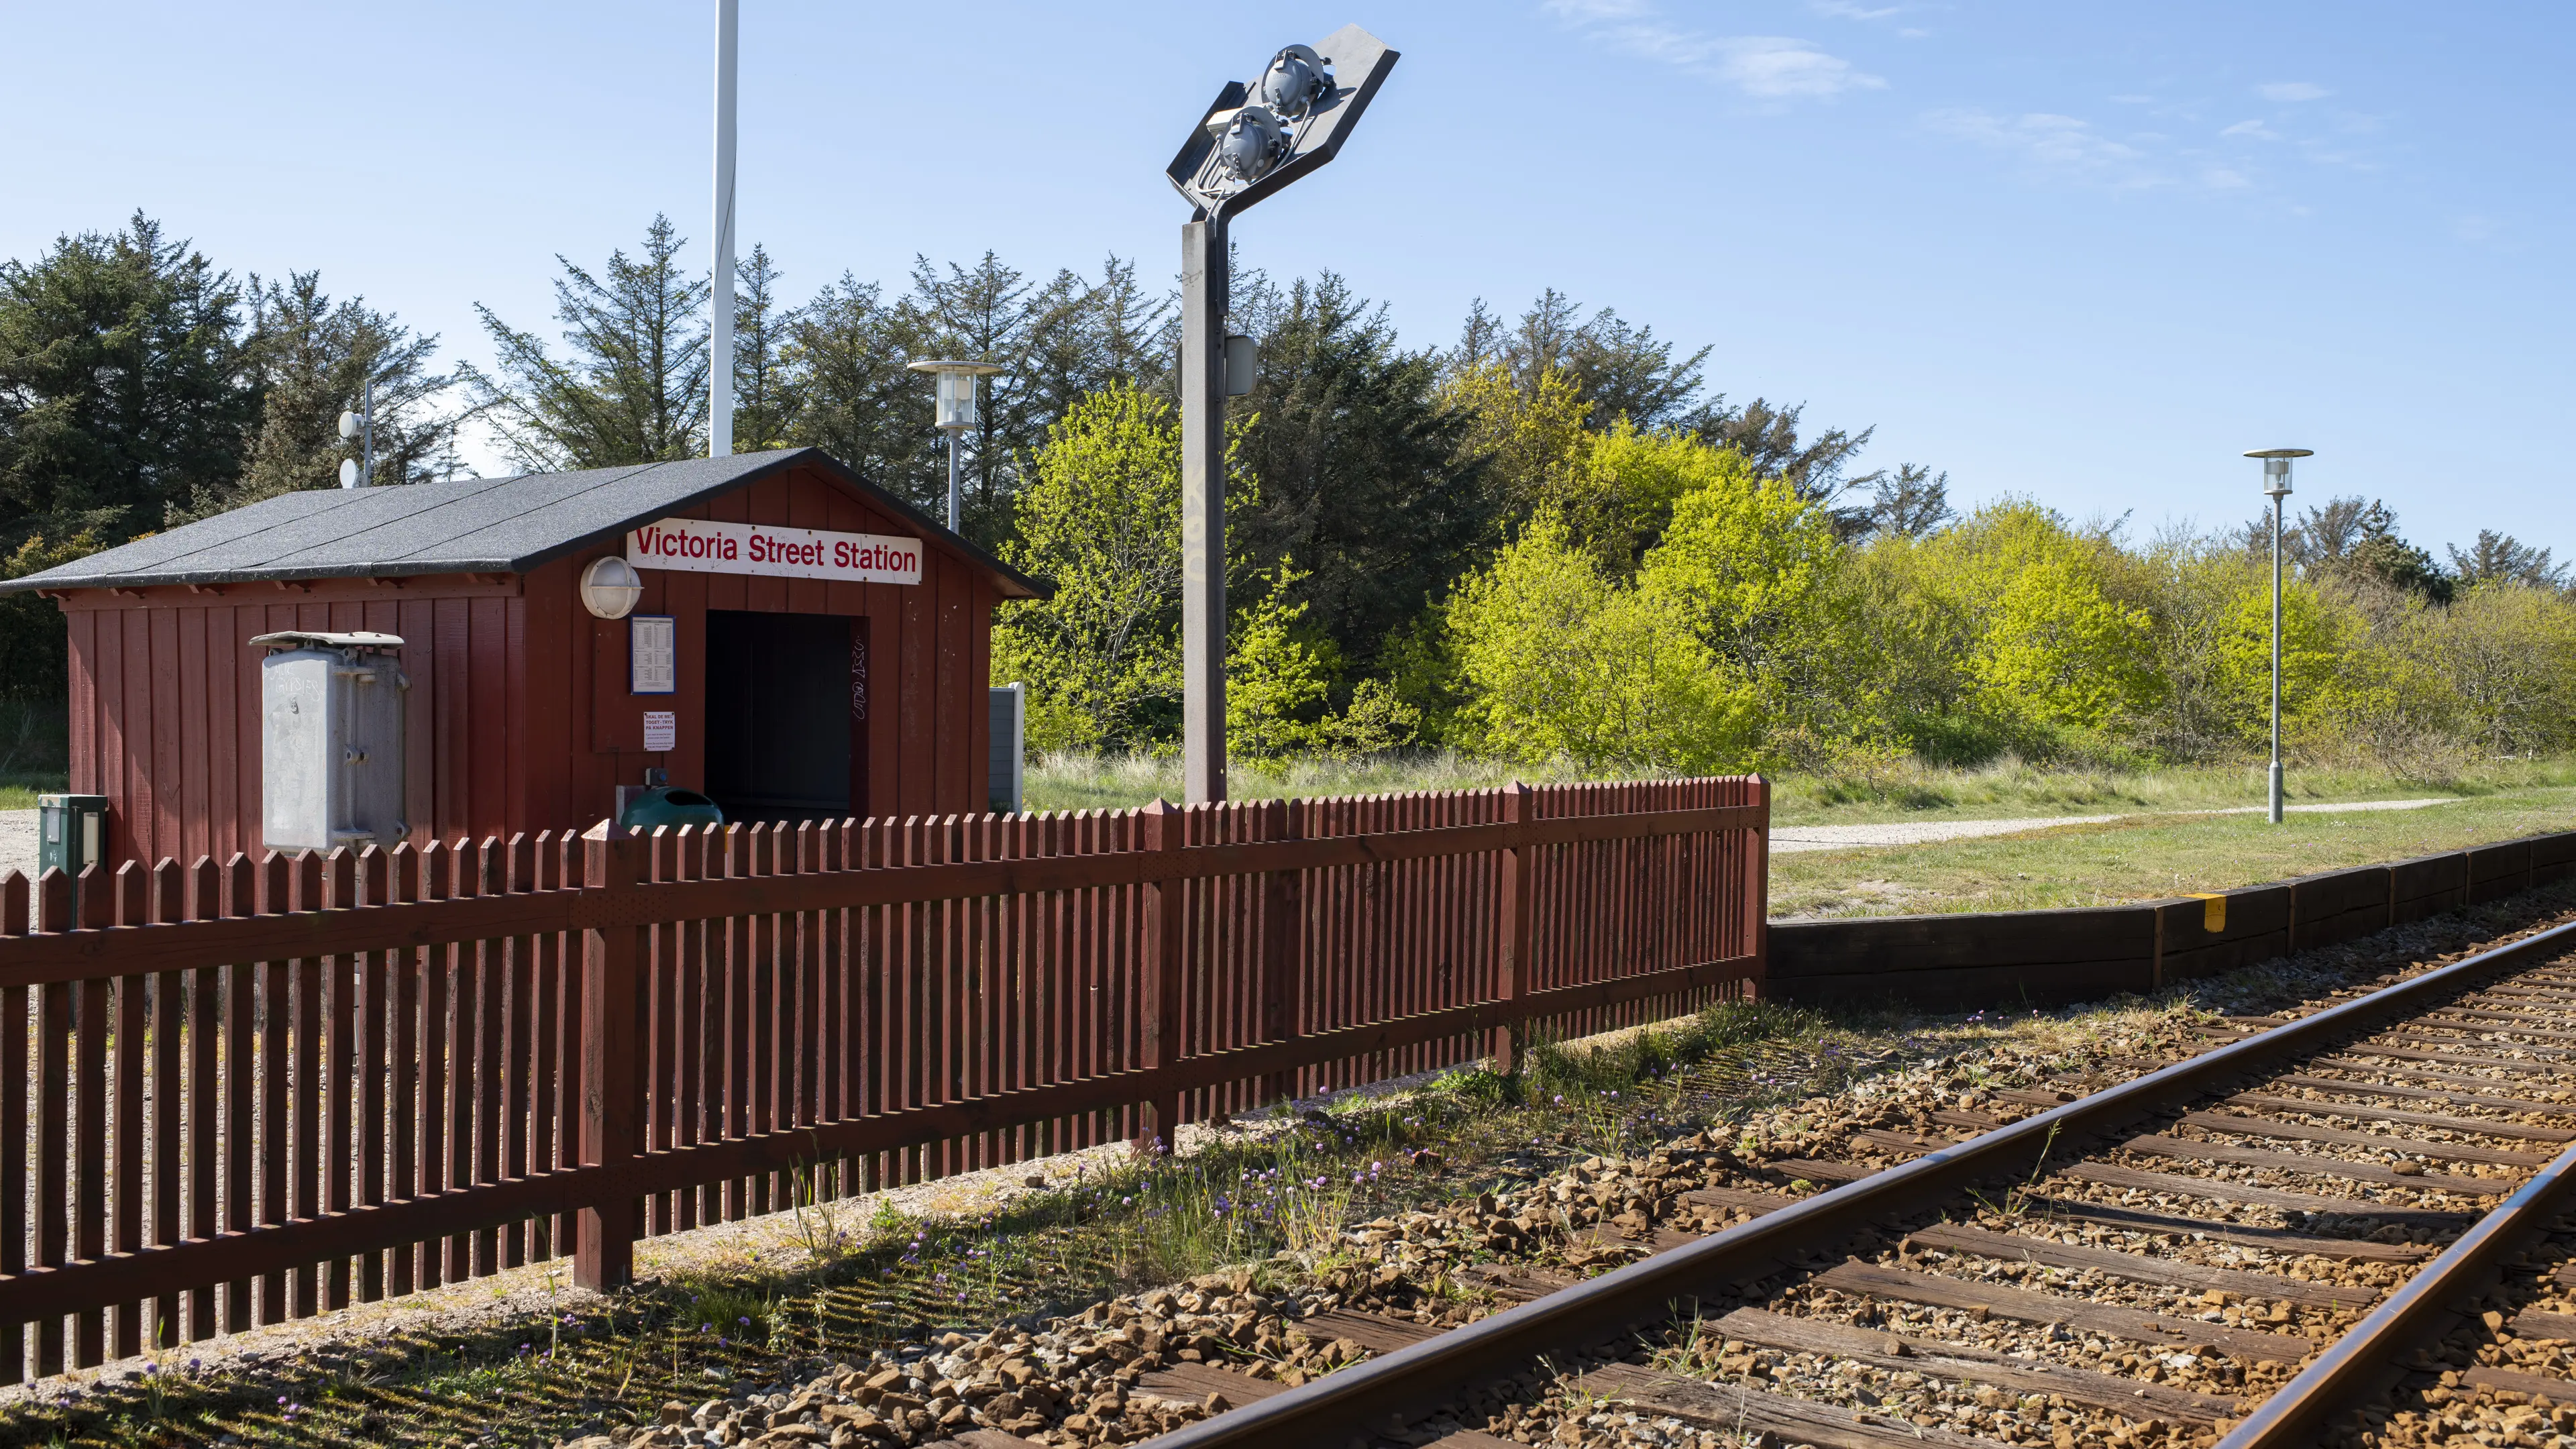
(1250,142)
(1294,82)
(956,390)
(2276,468)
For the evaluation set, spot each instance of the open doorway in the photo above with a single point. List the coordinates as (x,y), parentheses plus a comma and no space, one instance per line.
(786,715)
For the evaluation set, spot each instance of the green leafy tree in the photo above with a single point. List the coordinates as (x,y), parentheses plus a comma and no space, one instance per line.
(634,388)
(1101,522)
(128,385)
(1562,662)
(1280,677)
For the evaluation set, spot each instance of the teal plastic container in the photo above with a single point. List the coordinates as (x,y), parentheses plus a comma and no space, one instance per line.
(665,805)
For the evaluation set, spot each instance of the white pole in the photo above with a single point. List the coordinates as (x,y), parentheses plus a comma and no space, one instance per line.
(367,429)
(956,488)
(2284,465)
(720,341)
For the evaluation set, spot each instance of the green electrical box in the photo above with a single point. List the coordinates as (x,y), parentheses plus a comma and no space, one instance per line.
(71,832)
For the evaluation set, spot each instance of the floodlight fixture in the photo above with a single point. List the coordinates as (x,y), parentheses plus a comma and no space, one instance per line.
(1251,141)
(1295,82)
(956,413)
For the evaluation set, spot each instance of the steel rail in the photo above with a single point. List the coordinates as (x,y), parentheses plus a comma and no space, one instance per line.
(1413,1382)
(2350,1369)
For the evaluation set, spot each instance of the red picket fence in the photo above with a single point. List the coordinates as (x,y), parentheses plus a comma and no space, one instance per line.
(262,1090)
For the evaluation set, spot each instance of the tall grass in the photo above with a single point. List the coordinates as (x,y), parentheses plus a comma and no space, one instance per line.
(1081,781)
(1868,789)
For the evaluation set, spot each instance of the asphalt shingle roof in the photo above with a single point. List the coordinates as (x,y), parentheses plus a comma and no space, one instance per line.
(464,525)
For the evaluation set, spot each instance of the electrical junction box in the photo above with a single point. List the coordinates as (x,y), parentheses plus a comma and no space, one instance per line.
(71,832)
(331,740)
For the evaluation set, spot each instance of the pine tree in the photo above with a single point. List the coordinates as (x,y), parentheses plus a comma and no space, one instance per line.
(127,384)
(314,358)
(2500,558)
(766,386)
(1911,502)
(635,387)
(1362,486)
(856,401)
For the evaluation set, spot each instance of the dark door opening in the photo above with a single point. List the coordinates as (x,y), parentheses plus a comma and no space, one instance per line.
(783,716)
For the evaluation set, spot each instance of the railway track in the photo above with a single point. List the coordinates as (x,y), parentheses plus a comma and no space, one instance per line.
(2266,1244)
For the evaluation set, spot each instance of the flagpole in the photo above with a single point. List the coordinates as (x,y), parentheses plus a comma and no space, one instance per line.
(720,339)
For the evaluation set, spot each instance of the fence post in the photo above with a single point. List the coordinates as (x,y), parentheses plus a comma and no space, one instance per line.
(612,959)
(1283,946)
(1757,891)
(1161,961)
(1513,930)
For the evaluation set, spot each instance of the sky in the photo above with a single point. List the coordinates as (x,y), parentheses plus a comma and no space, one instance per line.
(2082,253)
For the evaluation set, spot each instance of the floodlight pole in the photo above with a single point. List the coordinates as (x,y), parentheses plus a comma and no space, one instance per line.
(1291,120)
(1205,278)
(720,332)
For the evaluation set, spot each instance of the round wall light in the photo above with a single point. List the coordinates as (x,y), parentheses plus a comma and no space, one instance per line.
(610,587)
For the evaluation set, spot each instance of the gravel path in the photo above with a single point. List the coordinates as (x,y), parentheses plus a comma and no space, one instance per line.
(18,841)
(1792,839)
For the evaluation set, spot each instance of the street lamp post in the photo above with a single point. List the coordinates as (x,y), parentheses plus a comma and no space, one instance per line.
(1253,140)
(956,415)
(2276,486)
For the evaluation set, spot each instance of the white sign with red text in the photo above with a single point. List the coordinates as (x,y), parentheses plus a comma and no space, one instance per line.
(698,545)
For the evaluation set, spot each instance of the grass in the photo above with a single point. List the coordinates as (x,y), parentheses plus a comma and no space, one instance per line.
(2144,857)
(1904,790)
(2162,849)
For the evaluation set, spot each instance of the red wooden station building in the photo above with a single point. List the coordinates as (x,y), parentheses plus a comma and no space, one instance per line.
(804,645)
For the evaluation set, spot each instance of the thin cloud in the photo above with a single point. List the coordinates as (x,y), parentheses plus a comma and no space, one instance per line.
(1765,67)
(2255,129)
(1846,10)
(2060,145)
(2290,91)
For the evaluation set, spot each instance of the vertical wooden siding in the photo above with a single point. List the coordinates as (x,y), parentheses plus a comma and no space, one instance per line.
(506,676)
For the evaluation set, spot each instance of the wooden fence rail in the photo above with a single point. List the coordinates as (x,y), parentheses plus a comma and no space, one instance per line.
(248,1091)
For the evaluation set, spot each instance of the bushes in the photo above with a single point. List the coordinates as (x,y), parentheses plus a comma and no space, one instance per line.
(1753,636)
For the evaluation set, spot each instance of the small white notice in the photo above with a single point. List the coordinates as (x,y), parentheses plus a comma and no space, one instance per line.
(661,731)
(652,654)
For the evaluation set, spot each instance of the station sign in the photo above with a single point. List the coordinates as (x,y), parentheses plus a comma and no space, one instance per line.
(704,546)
